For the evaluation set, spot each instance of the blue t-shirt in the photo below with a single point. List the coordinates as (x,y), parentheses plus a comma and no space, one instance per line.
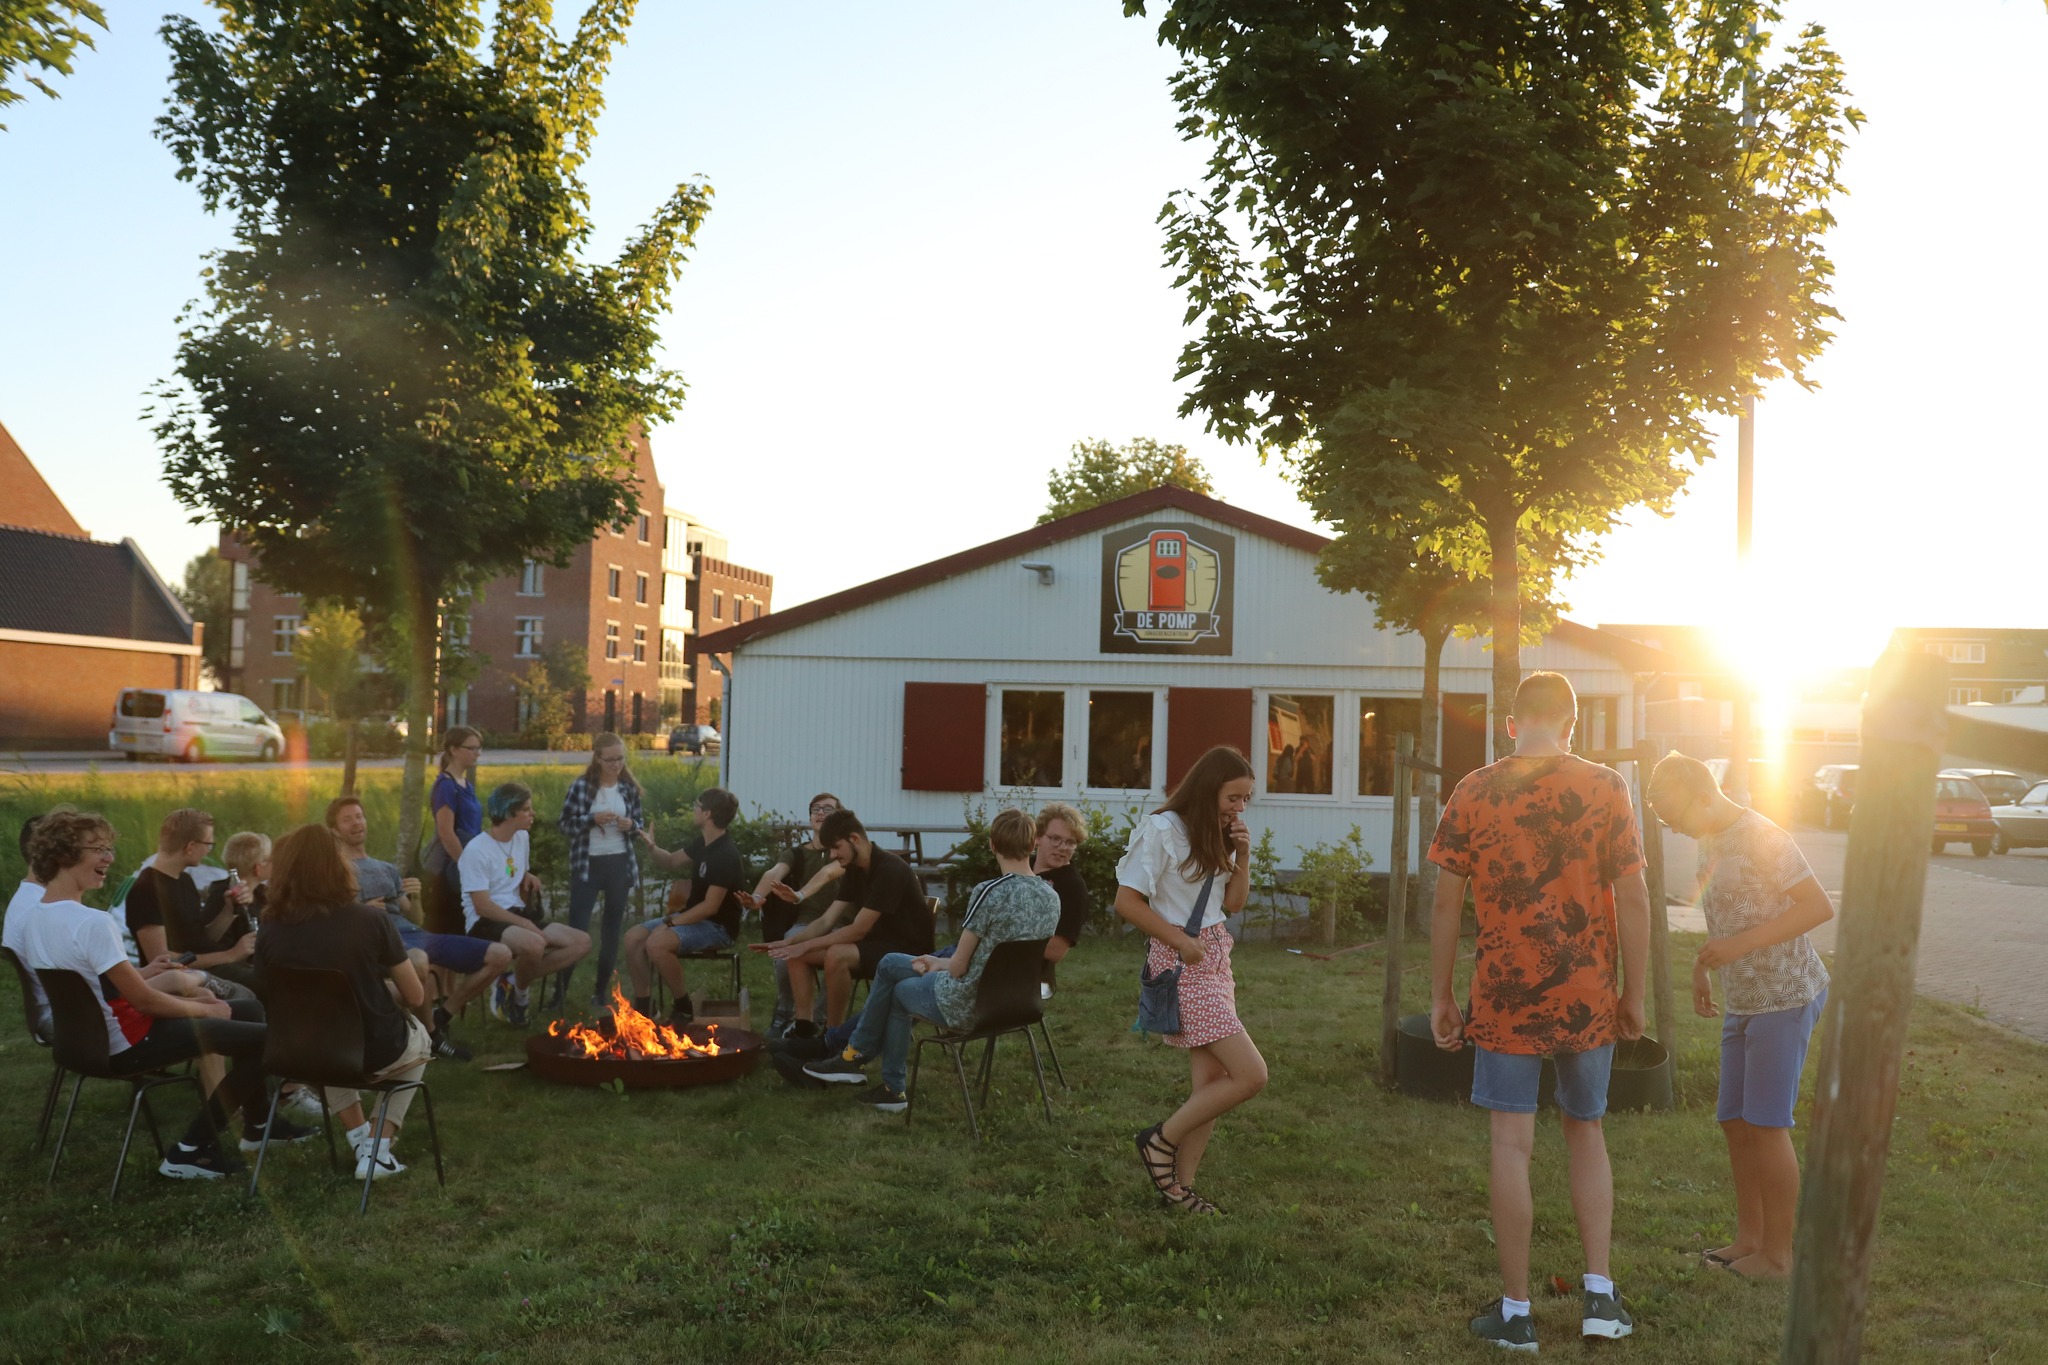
(459,797)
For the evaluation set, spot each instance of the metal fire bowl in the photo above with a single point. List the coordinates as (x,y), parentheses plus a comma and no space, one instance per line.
(561,1061)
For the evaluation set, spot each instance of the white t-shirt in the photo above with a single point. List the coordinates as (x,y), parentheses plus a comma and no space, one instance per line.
(73,937)
(1151,867)
(608,839)
(15,929)
(496,870)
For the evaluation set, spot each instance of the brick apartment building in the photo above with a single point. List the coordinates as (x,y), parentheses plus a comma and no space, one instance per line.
(621,601)
(708,592)
(80,619)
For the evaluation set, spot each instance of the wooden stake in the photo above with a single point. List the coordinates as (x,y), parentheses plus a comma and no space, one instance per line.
(1397,910)
(1869,1002)
(1660,918)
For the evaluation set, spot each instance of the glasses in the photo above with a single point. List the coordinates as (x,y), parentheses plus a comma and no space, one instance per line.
(107,849)
(474,747)
(1057,842)
(613,758)
(824,808)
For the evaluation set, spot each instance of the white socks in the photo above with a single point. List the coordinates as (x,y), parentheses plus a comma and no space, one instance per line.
(358,1137)
(1510,1309)
(374,1159)
(1598,1284)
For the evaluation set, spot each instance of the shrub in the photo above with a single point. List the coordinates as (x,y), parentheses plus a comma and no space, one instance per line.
(1109,833)
(1333,877)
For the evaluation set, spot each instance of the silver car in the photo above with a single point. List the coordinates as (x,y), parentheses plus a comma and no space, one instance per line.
(2024,823)
(192,726)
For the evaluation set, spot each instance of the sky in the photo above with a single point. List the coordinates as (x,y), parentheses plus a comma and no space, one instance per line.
(932,265)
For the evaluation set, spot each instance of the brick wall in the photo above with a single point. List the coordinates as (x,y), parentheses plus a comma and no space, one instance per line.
(62,696)
(721,594)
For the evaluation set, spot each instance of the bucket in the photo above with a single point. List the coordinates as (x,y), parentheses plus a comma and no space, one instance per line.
(1641,1078)
(1642,1075)
(1426,1071)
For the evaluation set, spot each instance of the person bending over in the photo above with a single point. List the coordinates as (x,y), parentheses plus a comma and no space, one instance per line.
(496,890)
(1013,907)
(703,914)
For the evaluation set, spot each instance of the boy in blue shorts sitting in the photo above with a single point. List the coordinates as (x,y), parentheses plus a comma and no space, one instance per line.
(1760,899)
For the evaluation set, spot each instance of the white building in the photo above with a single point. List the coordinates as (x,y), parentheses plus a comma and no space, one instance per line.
(1094,658)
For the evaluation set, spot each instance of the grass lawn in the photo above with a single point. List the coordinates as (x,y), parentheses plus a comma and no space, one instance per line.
(759,1223)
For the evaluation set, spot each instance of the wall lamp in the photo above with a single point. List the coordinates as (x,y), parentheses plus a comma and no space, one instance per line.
(1041,568)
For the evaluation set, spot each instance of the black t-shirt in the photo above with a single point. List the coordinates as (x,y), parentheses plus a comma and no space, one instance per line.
(170,903)
(717,864)
(1074,906)
(223,925)
(888,887)
(359,941)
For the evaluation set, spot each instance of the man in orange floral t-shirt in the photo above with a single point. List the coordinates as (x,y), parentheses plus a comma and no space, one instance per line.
(1548,844)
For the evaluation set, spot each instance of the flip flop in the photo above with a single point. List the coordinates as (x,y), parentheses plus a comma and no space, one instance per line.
(1727,1268)
(1715,1258)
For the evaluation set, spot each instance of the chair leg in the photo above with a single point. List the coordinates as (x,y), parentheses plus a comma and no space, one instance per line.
(1053,1053)
(434,1134)
(370,1167)
(64,1131)
(966,1097)
(988,1066)
(49,1105)
(263,1147)
(156,1136)
(135,1103)
(327,1128)
(916,1060)
(1039,1070)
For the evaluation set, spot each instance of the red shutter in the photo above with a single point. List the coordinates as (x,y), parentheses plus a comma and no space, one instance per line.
(943,736)
(1198,719)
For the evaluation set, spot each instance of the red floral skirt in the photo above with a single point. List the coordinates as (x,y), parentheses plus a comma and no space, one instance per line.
(1208,992)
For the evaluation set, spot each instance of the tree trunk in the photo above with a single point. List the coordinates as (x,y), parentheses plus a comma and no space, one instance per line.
(1507,622)
(1429,748)
(419,701)
(350,738)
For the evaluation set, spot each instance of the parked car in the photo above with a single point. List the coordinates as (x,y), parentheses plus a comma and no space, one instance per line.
(192,726)
(693,739)
(2023,823)
(2000,787)
(1962,815)
(1832,798)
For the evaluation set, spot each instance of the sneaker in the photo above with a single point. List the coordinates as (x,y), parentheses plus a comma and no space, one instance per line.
(205,1162)
(515,1014)
(792,1071)
(884,1100)
(282,1130)
(501,996)
(448,1049)
(684,1011)
(840,1070)
(375,1162)
(1605,1316)
(302,1104)
(779,1025)
(1045,990)
(1510,1334)
(442,1019)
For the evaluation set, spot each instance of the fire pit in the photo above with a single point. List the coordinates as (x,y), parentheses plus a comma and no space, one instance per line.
(640,1053)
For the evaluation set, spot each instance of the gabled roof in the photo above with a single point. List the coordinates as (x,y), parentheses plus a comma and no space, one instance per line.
(26,499)
(1152,501)
(70,585)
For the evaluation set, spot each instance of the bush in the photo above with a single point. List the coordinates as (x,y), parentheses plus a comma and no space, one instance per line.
(327,740)
(1334,878)
(1109,833)
(569,743)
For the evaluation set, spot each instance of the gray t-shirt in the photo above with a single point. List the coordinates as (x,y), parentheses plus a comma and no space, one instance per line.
(377,880)
(1747,873)
(1011,907)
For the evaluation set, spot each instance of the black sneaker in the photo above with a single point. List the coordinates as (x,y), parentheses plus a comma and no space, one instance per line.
(885,1100)
(442,1019)
(282,1130)
(1510,1334)
(682,1012)
(448,1049)
(839,1070)
(515,1014)
(792,1071)
(205,1162)
(1605,1317)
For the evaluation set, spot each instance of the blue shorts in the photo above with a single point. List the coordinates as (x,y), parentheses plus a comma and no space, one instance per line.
(1761,1058)
(1509,1082)
(705,936)
(456,952)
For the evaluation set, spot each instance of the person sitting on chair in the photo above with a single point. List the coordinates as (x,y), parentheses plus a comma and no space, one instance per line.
(497,888)
(1016,906)
(886,912)
(314,921)
(147,1030)
(165,893)
(215,923)
(1061,832)
(703,912)
(792,893)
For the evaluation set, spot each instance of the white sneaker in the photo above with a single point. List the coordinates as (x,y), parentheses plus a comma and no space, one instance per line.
(358,1138)
(302,1105)
(375,1161)
(1044,991)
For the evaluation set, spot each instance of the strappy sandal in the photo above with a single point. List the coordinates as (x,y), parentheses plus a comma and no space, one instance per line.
(1190,1202)
(1160,1170)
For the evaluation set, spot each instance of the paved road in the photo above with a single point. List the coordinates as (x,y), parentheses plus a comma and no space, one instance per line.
(112,765)
(1984,925)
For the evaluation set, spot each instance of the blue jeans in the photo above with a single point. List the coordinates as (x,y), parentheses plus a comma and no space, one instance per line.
(897,998)
(1761,1058)
(611,876)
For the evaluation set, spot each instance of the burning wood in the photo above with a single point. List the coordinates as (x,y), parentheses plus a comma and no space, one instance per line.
(635,1037)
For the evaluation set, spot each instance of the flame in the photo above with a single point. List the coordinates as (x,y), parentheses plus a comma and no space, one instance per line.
(635,1037)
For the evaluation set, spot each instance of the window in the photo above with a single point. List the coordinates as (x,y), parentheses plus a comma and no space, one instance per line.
(531,584)
(1120,740)
(284,694)
(458,707)
(1596,730)
(2014,693)
(718,606)
(526,634)
(1380,719)
(611,639)
(1032,743)
(240,590)
(646,528)
(640,588)
(238,640)
(639,644)
(611,582)
(1955,651)
(1298,743)
(1964,696)
(284,633)
(757,609)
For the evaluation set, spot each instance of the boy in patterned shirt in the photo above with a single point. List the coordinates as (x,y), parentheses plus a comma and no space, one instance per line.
(1761,899)
(1549,847)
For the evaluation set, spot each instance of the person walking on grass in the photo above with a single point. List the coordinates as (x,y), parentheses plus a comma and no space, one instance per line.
(600,817)
(1761,900)
(1549,846)
(1188,866)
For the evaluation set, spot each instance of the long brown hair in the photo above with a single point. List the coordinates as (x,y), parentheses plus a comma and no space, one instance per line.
(1195,801)
(308,876)
(457,736)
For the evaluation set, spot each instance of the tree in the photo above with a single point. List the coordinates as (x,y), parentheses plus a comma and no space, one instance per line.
(42,34)
(208,595)
(404,379)
(330,655)
(1098,472)
(1499,261)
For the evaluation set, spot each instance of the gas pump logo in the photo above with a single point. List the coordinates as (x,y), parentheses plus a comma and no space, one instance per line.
(1168,590)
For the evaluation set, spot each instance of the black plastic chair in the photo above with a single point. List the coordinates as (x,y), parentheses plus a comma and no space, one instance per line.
(37,1017)
(316,1038)
(79,1043)
(1005,1002)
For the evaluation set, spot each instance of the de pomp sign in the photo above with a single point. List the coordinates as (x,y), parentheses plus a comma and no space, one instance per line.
(1167,590)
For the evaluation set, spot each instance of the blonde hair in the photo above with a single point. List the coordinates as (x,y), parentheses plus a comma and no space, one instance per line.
(1060,810)
(245,851)
(181,827)
(1677,772)
(1011,834)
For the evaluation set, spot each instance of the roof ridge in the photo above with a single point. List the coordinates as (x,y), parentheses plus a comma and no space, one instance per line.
(56,535)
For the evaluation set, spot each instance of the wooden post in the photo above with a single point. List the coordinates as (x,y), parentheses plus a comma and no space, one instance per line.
(1660,917)
(1397,910)
(1904,731)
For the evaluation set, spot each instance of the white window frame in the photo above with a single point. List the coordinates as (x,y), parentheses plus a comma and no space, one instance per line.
(1078,742)
(458,707)
(639,644)
(533,579)
(238,640)
(717,605)
(614,581)
(992,738)
(611,641)
(285,628)
(1965,696)
(1343,743)
(640,588)
(528,635)
(238,599)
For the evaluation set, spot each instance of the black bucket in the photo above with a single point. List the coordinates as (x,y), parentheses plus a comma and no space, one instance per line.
(1426,1071)
(1641,1078)
(1642,1075)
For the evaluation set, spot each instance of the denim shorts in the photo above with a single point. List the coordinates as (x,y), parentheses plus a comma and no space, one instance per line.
(1761,1058)
(703,936)
(456,952)
(1509,1082)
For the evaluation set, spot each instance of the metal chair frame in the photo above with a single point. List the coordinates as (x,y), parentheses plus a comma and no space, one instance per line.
(1006,1003)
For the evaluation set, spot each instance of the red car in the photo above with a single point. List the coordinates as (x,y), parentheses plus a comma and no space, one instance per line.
(1962,815)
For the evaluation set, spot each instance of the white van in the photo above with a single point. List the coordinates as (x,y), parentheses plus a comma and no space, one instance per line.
(193,726)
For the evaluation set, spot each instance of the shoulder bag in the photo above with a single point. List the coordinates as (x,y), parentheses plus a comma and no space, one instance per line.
(1159,996)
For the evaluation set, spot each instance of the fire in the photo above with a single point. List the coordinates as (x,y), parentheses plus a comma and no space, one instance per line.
(634,1037)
